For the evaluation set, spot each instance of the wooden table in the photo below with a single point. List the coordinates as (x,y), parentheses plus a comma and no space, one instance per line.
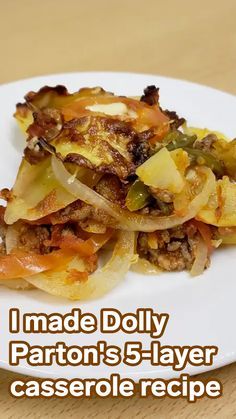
(194,40)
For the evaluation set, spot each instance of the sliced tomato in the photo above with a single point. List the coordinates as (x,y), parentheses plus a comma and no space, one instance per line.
(148,115)
(22,264)
(67,240)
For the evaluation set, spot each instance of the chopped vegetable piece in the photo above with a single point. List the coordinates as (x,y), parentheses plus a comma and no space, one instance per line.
(176,139)
(138,196)
(207,159)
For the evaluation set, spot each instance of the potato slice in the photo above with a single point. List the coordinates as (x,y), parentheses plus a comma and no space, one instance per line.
(160,171)
(220,210)
(36,193)
(181,159)
(203,132)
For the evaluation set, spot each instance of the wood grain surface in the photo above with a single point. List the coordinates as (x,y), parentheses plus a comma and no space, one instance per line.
(193,40)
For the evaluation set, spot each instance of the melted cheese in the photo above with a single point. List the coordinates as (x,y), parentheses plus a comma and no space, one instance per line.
(112,109)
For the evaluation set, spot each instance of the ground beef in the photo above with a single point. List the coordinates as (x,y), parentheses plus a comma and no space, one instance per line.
(206,143)
(171,250)
(112,189)
(78,212)
(151,95)
(32,238)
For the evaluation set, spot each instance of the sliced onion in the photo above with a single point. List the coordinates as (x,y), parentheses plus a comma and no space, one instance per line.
(143,266)
(127,220)
(11,239)
(100,282)
(200,261)
(16,284)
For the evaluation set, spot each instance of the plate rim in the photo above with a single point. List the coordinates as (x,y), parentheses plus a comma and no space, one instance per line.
(124,73)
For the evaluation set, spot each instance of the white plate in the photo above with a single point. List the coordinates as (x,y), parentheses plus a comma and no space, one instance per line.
(202,310)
